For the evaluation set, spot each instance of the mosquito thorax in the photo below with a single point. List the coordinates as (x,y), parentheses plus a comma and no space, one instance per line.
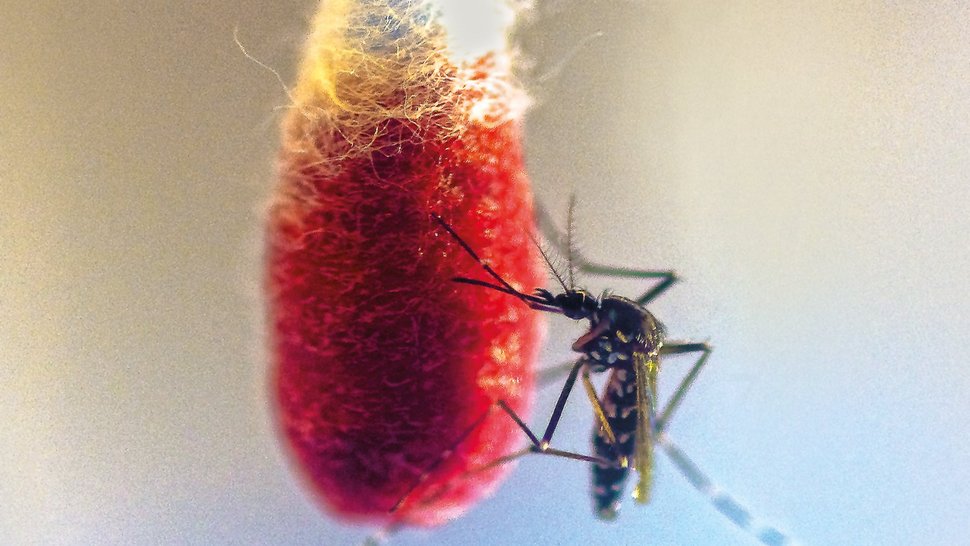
(624,327)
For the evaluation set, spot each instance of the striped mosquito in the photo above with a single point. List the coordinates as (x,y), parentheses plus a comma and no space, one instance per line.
(626,339)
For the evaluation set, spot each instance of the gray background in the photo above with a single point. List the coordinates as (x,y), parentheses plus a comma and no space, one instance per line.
(803,167)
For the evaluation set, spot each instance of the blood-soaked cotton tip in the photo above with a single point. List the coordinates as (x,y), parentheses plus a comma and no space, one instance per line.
(381,361)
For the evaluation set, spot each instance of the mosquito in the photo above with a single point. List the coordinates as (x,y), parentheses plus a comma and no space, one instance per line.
(627,340)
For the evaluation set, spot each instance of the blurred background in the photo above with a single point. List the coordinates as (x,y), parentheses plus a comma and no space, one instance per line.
(803,167)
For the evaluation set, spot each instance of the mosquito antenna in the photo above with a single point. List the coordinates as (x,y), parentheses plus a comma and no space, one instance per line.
(570,226)
(552,267)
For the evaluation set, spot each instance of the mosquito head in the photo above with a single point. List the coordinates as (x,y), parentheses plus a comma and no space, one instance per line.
(576,304)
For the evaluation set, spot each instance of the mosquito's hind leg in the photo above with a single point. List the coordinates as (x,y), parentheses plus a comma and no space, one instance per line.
(676,348)
(563,245)
(721,500)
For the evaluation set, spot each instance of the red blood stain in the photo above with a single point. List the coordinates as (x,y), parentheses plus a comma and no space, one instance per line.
(381,361)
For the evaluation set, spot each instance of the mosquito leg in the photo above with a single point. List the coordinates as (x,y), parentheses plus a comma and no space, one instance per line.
(560,404)
(542,448)
(685,384)
(442,457)
(393,526)
(667,278)
(548,376)
(379,538)
(542,445)
(722,501)
(445,488)
(532,449)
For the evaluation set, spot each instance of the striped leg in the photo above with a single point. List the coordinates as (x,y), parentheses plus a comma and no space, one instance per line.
(721,500)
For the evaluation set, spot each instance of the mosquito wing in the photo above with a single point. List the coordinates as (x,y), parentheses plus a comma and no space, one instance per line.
(645,366)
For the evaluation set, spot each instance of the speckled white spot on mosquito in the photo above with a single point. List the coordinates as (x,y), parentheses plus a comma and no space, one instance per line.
(617,386)
(623,438)
(595,355)
(622,356)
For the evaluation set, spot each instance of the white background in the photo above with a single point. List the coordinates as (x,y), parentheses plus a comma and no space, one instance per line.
(804,168)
